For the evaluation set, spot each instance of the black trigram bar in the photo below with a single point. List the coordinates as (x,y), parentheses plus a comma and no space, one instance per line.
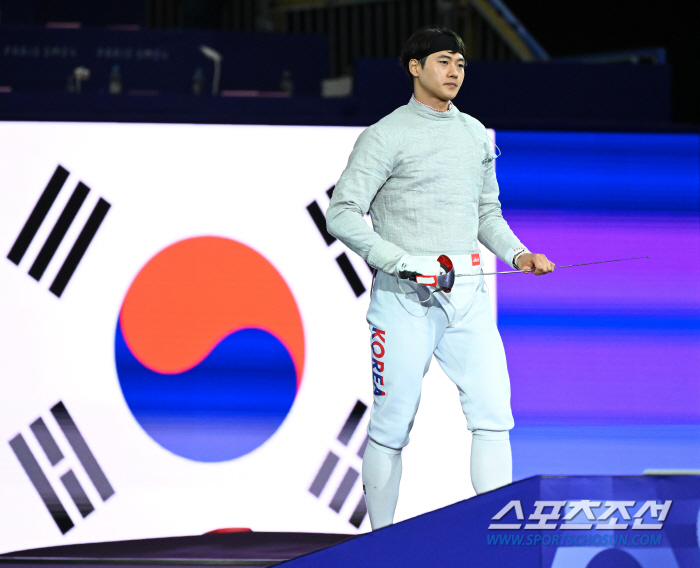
(358,515)
(38,214)
(48,444)
(351,423)
(344,489)
(59,231)
(81,244)
(41,483)
(77,493)
(350,275)
(320,222)
(324,474)
(81,449)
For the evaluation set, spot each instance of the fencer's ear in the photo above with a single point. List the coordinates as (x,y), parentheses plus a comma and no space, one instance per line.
(413,65)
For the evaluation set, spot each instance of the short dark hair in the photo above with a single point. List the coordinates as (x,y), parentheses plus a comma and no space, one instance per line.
(419,43)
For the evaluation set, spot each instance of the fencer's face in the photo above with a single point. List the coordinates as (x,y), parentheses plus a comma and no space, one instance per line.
(442,75)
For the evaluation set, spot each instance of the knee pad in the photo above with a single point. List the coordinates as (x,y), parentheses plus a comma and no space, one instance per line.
(491,435)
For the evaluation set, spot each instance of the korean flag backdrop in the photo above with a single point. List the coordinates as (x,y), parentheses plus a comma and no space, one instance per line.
(182,346)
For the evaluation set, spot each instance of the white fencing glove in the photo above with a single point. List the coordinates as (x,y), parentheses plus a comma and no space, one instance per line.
(412,266)
(434,273)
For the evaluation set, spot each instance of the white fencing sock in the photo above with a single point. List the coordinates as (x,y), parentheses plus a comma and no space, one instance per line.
(491,461)
(381,475)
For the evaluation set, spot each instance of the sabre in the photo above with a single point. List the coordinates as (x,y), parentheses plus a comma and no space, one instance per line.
(557,267)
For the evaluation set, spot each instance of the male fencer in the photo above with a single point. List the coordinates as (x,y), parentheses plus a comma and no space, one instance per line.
(426,175)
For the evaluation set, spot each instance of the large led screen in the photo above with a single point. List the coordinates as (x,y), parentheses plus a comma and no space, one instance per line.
(184,348)
(605,359)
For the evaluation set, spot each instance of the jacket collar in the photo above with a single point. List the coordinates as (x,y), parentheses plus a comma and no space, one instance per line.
(429,112)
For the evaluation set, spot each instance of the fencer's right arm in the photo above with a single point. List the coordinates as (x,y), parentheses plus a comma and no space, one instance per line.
(369,166)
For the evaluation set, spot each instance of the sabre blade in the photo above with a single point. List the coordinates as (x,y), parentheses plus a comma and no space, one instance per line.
(564,266)
(602,261)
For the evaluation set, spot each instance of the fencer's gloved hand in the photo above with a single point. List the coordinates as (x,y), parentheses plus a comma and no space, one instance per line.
(412,266)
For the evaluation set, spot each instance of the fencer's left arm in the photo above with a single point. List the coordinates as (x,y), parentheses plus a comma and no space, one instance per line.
(494,232)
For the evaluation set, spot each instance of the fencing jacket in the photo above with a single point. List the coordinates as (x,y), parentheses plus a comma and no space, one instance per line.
(427,179)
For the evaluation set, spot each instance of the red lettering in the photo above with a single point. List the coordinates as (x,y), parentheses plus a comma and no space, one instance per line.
(378,333)
(378,366)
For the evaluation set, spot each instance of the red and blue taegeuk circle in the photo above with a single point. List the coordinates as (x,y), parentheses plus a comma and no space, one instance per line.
(209,349)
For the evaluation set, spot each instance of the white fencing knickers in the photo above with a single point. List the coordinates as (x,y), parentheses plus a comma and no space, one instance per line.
(459,329)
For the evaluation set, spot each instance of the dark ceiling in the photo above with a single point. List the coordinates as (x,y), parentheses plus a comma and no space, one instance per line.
(578,27)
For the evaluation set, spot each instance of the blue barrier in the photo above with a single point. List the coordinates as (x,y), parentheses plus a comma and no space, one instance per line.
(36,59)
(518,93)
(36,65)
(542,522)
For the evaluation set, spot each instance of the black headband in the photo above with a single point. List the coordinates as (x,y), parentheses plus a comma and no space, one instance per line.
(442,42)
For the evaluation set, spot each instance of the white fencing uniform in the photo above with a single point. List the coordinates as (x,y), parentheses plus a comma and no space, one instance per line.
(427,179)
(459,328)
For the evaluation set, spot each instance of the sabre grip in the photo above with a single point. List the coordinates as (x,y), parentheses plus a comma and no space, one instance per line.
(445,262)
(438,281)
(448,267)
